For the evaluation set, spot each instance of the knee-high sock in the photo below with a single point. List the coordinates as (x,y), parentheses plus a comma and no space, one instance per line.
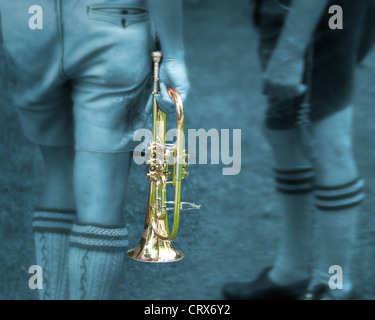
(51,230)
(338,207)
(96,258)
(295,190)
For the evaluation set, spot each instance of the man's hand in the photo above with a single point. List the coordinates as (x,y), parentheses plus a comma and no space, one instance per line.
(173,74)
(167,16)
(284,75)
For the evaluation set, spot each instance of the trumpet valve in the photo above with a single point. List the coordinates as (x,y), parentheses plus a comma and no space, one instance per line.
(149,175)
(151,148)
(150,162)
(158,214)
(186,160)
(185,173)
(152,175)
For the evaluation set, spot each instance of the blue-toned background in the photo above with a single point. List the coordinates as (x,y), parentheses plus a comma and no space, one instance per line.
(235,234)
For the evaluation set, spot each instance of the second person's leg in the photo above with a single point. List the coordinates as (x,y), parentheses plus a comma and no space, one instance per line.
(338,194)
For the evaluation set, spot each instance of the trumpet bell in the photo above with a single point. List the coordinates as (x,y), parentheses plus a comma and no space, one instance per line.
(153,249)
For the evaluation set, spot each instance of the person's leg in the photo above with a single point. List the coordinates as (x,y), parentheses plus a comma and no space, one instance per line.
(58,185)
(99,239)
(100,180)
(293,175)
(288,277)
(110,80)
(100,198)
(53,219)
(338,194)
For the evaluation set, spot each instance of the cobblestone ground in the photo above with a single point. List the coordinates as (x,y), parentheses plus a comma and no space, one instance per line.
(235,234)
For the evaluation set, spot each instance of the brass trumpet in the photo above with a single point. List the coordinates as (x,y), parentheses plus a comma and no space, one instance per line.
(156,241)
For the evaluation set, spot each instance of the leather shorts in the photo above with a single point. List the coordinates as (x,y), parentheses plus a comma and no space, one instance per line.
(84,78)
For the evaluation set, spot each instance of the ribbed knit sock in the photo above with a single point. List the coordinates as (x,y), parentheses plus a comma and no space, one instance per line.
(96,258)
(51,230)
(295,190)
(338,207)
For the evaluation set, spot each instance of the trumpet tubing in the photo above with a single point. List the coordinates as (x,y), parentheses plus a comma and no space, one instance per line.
(167,165)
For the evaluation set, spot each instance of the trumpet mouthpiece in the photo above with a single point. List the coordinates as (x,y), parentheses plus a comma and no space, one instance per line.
(156,56)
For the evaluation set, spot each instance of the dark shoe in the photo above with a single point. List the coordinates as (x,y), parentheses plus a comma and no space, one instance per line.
(323,292)
(317,293)
(263,288)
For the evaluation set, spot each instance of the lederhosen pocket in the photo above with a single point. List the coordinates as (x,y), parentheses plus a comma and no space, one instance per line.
(120,15)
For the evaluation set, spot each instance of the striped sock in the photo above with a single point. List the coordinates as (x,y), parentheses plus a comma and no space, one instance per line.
(96,258)
(51,230)
(339,197)
(295,191)
(338,208)
(294,180)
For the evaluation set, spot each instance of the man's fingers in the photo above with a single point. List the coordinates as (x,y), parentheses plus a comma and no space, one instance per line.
(293,91)
(302,88)
(165,103)
(274,90)
(158,99)
(282,91)
(183,94)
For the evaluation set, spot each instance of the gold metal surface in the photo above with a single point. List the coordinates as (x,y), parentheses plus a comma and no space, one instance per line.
(167,165)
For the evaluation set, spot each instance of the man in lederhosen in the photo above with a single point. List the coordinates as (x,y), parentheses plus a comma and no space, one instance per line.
(80,80)
(308,78)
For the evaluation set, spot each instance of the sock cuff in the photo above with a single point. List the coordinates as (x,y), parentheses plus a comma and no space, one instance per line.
(294,180)
(55,210)
(99,238)
(348,195)
(53,221)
